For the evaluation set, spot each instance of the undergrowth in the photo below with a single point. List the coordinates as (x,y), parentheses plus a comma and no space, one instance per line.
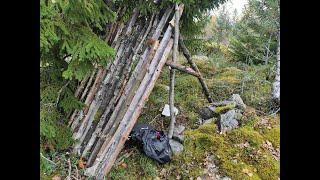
(224,78)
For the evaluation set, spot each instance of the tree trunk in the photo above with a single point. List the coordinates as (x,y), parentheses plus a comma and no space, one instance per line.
(276,84)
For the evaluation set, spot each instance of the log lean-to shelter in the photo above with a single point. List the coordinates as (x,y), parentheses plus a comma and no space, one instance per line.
(115,95)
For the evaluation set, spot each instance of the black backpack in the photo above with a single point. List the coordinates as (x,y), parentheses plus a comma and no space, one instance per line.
(155,144)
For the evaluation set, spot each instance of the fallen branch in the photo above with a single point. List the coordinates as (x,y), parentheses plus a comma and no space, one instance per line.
(182,68)
(69,175)
(172,70)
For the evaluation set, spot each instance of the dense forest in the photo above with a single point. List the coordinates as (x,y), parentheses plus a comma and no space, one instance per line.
(238,55)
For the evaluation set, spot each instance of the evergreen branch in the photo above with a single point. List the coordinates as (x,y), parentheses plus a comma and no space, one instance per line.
(60,91)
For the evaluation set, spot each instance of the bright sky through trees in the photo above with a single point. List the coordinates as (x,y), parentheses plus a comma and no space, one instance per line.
(231,5)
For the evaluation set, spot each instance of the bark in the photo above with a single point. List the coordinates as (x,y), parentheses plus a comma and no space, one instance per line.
(76,113)
(111,105)
(119,110)
(186,53)
(137,111)
(172,71)
(113,148)
(268,50)
(81,86)
(113,78)
(276,84)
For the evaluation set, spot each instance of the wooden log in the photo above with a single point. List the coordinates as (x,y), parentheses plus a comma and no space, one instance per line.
(84,93)
(120,108)
(82,85)
(88,85)
(104,116)
(78,114)
(105,94)
(126,126)
(165,40)
(90,111)
(186,53)
(172,71)
(182,68)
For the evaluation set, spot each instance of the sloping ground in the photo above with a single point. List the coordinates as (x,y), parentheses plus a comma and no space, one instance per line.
(249,152)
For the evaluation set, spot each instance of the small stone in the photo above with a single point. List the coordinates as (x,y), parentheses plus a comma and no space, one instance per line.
(176,146)
(178,129)
(228,121)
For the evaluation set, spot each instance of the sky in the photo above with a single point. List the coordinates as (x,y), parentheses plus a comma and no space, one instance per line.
(233,4)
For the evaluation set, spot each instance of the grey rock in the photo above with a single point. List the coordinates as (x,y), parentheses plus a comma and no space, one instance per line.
(238,114)
(208,121)
(179,137)
(178,129)
(205,113)
(178,133)
(176,146)
(228,121)
(239,103)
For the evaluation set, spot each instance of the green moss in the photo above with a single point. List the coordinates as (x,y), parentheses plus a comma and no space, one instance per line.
(230,75)
(273,135)
(209,128)
(139,166)
(267,167)
(222,109)
(239,170)
(246,134)
(249,117)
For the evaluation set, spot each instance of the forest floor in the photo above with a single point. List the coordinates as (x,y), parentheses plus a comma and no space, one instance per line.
(251,151)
